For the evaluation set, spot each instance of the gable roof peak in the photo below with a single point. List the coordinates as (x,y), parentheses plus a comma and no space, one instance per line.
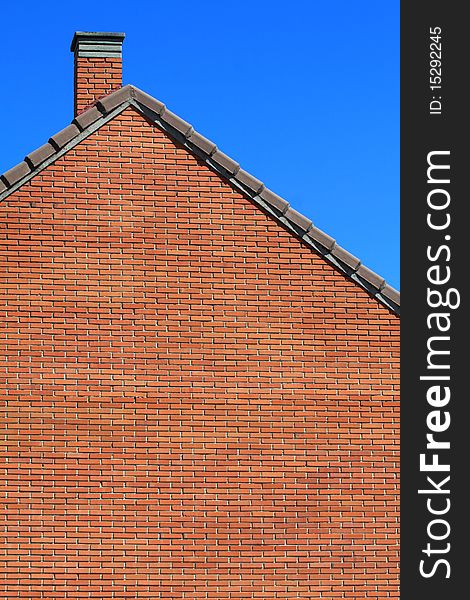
(182,132)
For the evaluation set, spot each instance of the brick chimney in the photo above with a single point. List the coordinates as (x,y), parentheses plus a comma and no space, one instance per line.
(98,66)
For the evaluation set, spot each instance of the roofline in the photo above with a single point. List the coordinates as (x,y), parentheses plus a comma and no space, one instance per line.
(108,107)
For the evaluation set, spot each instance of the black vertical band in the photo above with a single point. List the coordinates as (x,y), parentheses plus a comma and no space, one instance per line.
(435,320)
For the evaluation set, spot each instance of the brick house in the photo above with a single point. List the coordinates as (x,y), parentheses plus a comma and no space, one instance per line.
(200,387)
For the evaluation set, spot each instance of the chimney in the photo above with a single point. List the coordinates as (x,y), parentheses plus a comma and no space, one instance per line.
(98,66)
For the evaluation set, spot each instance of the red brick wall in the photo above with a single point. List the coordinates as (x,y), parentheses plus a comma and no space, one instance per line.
(94,78)
(196,404)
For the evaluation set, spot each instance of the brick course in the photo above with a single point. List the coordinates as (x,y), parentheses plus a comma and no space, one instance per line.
(196,405)
(95,78)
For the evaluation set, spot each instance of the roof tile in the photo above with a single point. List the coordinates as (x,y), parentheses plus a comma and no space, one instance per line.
(116,98)
(322,238)
(175,122)
(346,257)
(148,101)
(371,277)
(16,173)
(389,292)
(274,200)
(61,138)
(225,162)
(202,143)
(249,181)
(3,186)
(38,156)
(298,219)
(87,118)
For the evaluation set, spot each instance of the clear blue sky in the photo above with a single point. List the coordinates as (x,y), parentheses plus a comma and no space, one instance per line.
(304,94)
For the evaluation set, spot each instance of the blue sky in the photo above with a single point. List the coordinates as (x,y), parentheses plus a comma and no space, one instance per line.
(305,95)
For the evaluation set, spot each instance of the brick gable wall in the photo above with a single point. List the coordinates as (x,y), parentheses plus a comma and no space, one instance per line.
(196,404)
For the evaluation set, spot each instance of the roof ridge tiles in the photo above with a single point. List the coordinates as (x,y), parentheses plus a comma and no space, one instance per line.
(99,113)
